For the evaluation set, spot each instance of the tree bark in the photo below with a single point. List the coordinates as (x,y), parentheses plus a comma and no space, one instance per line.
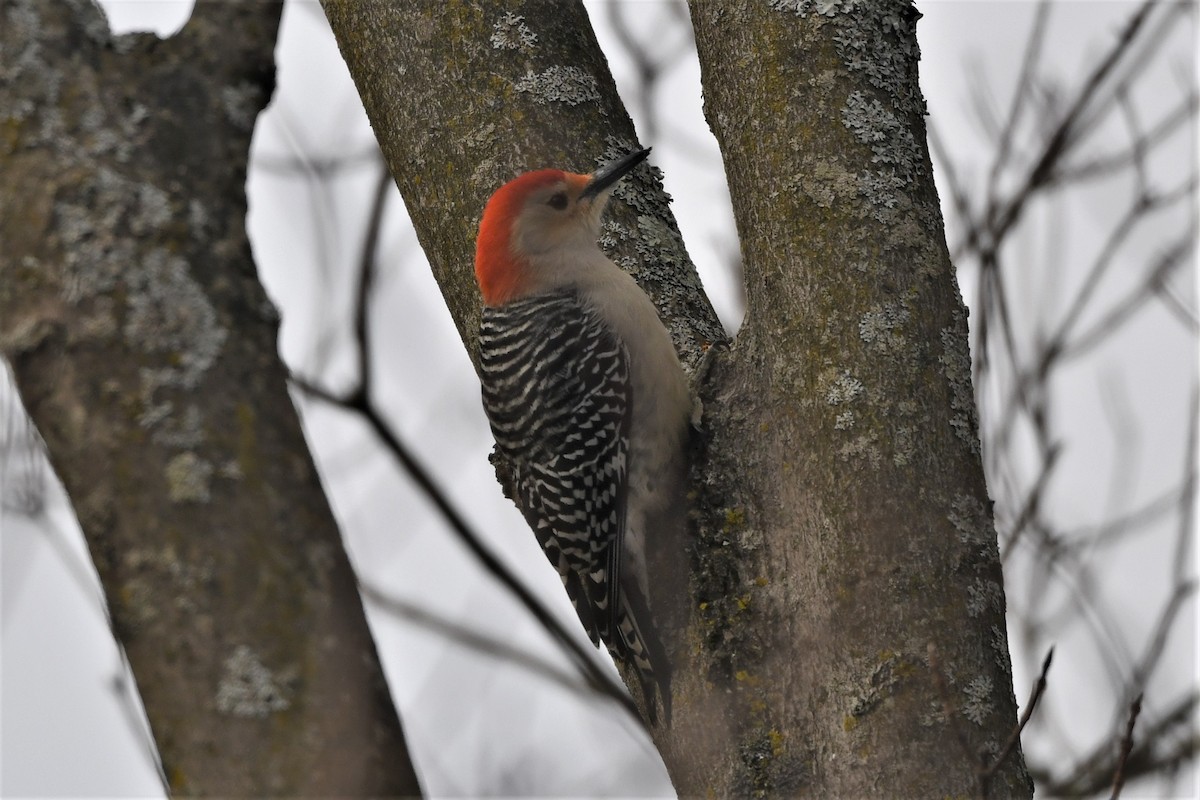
(841,629)
(858,521)
(145,351)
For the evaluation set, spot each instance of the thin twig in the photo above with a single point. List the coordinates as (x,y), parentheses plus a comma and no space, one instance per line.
(1126,747)
(1066,132)
(1039,687)
(1093,774)
(453,631)
(1014,738)
(1031,510)
(366,281)
(357,401)
(1021,97)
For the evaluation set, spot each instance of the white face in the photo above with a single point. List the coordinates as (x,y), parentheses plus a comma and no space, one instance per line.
(555,217)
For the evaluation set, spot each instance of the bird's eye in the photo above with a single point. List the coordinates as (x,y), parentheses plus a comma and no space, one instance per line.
(558,201)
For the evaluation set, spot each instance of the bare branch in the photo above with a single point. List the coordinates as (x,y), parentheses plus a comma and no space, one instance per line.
(357,401)
(1039,686)
(464,636)
(1021,96)
(1126,746)
(1105,165)
(1164,745)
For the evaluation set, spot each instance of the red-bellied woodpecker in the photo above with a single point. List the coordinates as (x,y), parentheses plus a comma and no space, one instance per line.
(586,399)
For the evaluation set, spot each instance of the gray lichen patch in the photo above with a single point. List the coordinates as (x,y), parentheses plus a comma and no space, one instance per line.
(972,522)
(106,214)
(231,470)
(824,182)
(892,146)
(483,137)
(511,33)
(660,244)
(248,688)
(998,642)
(826,8)
(241,104)
(862,449)
(659,259)
(891,142)
(875,680)
(189,478)
(882,328)
(978,699)
(98,129)
(88,224)
(984,595)
(883,191)
(956,366)
(184,430)
(839,388)
(842,387)
(877,41)
(643,188)
(147,568)
(569,85)
(168,312)
(903,445)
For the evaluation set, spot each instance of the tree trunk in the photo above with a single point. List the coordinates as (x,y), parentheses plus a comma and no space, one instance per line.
(845,450)
(145,351)
(842,627)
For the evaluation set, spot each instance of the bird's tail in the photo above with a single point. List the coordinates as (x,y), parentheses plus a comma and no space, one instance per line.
(640,647)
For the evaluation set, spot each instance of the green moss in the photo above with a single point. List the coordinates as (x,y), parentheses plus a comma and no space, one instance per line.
(10,134)
(768,766)
(735,518)
(176,779)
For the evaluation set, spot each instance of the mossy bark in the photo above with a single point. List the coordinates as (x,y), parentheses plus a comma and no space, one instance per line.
(145,351)
(845,436)
(843,524)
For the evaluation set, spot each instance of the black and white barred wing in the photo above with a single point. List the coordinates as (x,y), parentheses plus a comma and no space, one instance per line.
(556,391)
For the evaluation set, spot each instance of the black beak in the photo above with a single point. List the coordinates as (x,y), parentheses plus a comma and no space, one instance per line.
(607,175)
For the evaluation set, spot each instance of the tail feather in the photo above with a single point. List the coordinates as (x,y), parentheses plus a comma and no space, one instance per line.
(638,644)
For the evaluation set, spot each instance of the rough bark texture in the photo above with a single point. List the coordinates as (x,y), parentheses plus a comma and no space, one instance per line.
(844,445)
(844,524)
(145,351)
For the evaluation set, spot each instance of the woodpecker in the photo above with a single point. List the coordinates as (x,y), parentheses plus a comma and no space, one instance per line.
(586,399)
